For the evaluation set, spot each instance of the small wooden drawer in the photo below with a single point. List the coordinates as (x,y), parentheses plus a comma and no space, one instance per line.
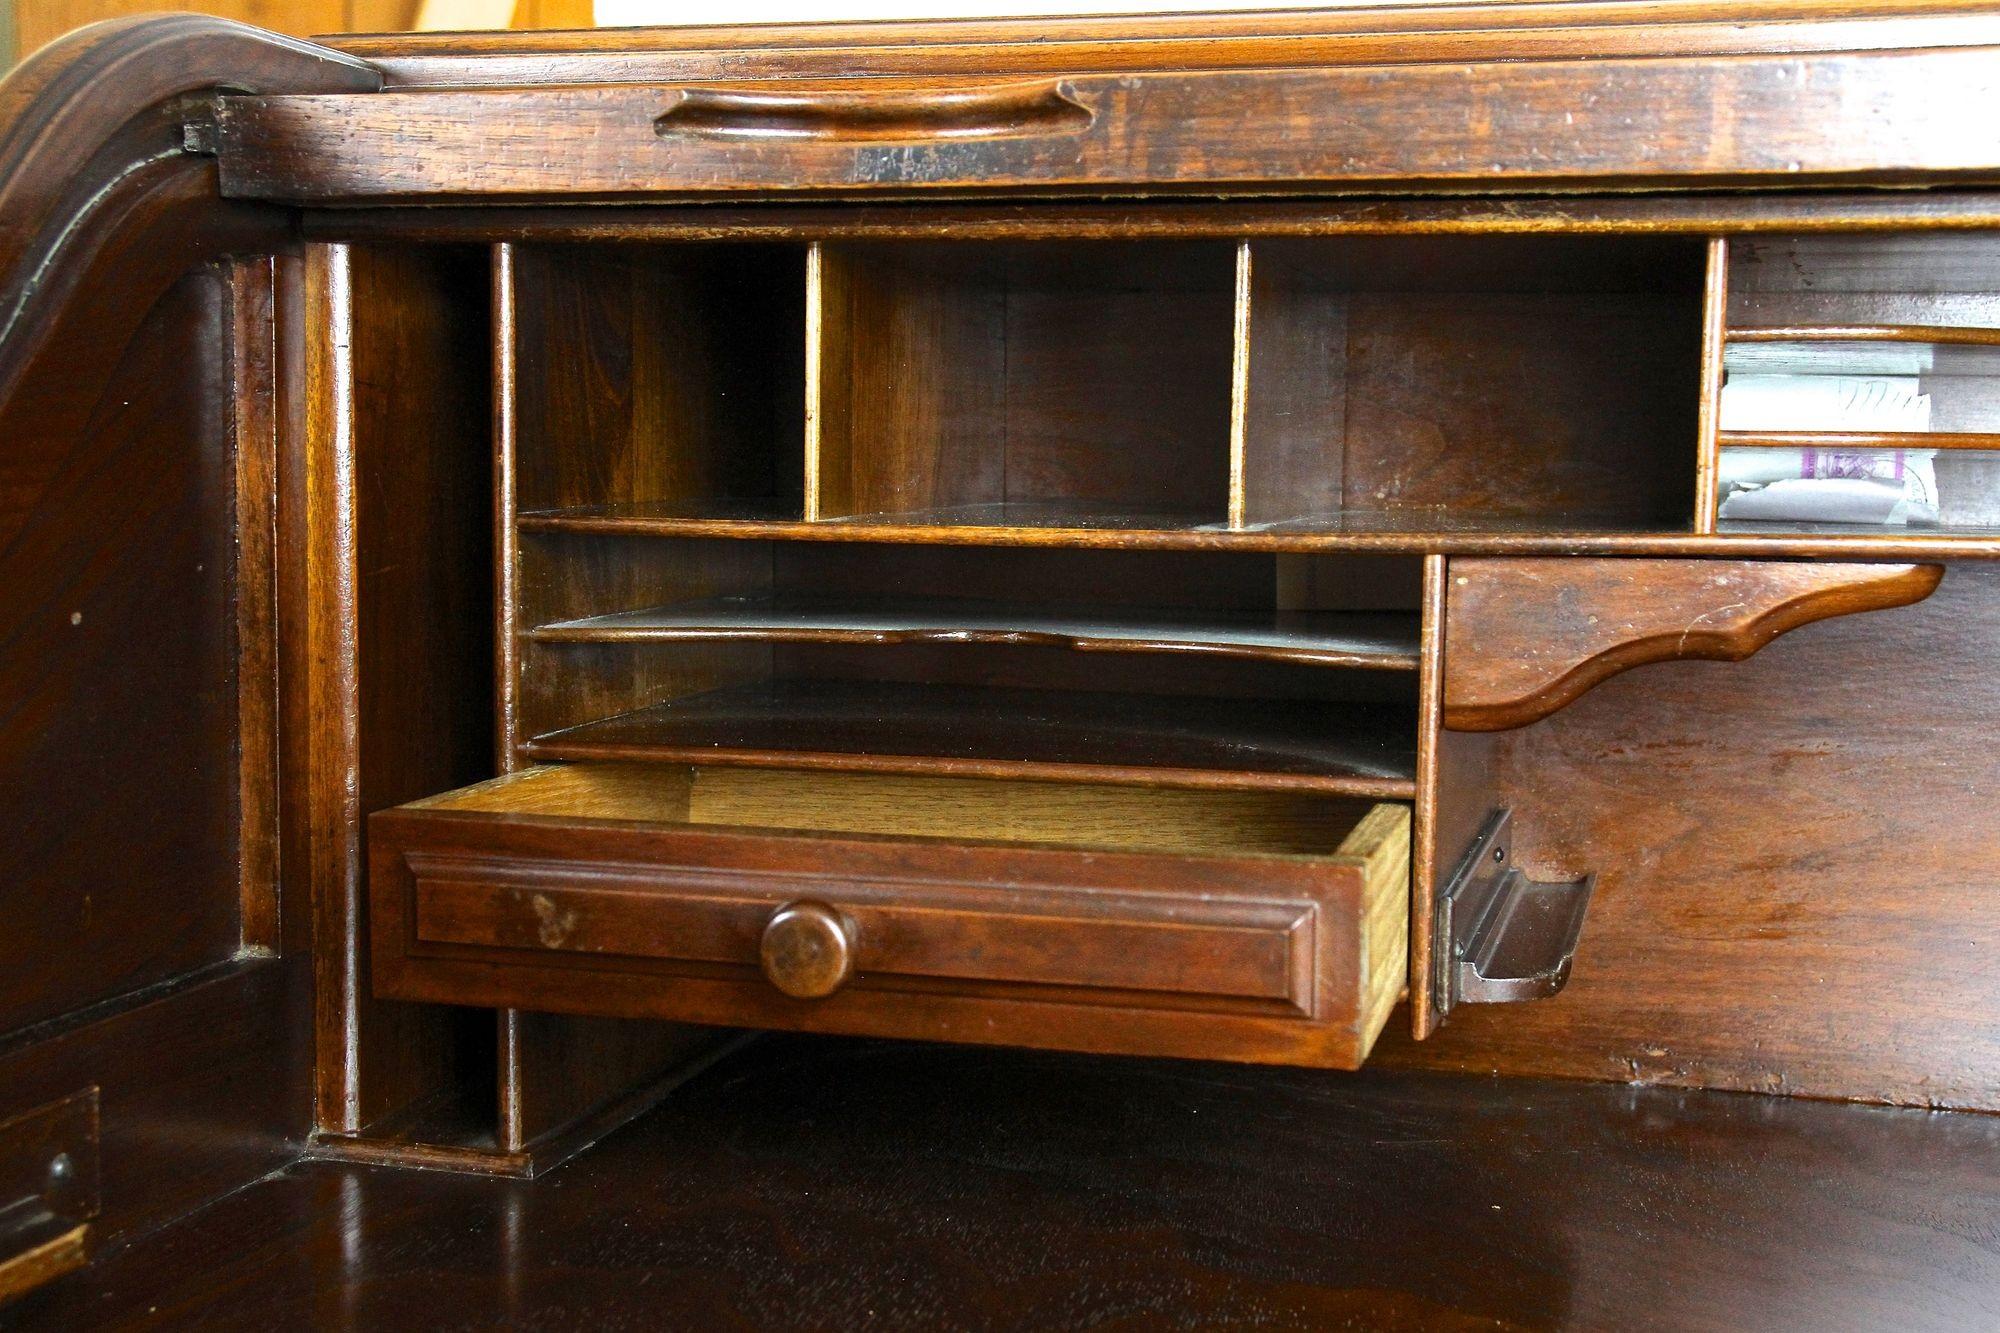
(1240,925)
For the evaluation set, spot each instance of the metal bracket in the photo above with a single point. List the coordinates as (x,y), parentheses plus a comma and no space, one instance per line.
(1502,936)
(200,136)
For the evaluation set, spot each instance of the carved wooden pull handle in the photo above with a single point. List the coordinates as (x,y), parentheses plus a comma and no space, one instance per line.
(807,950)
(1008,112)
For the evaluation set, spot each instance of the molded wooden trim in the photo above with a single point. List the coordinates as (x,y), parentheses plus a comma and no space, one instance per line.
(1526,637)
(1884,118)
(97,117)
(1390,34)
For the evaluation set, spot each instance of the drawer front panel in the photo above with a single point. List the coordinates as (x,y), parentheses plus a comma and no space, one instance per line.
(1791,120)
(1290,960)
(1178,944)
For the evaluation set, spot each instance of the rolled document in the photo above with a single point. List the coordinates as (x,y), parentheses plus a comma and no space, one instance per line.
(1883,488)
(1825,403)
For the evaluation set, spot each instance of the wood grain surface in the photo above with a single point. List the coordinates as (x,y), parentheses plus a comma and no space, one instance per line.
(809,1184)
(1527,637)
(1884,118)
(1793,865)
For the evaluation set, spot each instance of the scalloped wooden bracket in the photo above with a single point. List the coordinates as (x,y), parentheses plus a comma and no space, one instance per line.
(1524,637)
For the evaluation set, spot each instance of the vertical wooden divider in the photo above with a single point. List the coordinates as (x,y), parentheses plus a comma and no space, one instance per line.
(333,748)
(1423,832)
(253,355)
(816,295)
(506,533)
(506,647)
(392,442)
(562,1081)
(1714,335)
(1239,387)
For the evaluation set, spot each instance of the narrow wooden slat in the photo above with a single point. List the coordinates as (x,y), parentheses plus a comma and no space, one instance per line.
(253,353)
(506,532)
(1424,886)
(1944,335)
(1239,388)
(1714,328)
(1858,441)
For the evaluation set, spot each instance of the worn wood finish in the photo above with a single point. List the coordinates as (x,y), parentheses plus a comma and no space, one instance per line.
(1527,637)
(118,739)
(1425,876)
(951,377)
(1884,118)
(1291,394)
(1796,842)
(89,126)
(1854,280)
(1697,216)
(399,586)
(657,374)
(1383,1200)
(1369,35)
(1230,952)
(254,372)
(1475,381)
(1360,532)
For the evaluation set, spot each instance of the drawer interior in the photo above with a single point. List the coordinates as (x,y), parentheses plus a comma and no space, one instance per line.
(1068,815)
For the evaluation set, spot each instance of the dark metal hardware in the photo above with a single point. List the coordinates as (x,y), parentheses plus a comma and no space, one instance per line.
(1502,936)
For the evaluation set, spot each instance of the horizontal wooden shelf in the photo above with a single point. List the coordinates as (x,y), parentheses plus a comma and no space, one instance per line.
(1161,740)
(1411,531)
(1858,441)
(1384,640)
(1942,334)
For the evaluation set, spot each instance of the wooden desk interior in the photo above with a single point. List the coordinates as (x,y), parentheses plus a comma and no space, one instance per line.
(530,562)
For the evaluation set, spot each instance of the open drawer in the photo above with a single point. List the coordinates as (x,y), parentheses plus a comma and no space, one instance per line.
(1263,926)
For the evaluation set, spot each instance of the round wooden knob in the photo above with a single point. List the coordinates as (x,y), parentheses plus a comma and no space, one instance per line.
(808,950)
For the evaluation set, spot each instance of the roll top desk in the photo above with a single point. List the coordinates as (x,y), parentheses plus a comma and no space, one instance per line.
(1295,539)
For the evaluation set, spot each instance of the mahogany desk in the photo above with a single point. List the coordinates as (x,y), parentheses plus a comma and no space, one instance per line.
(1224,548)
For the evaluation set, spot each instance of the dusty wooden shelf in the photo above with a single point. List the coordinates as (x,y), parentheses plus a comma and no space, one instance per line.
(1369,640)
(1411,530)
(1164,740)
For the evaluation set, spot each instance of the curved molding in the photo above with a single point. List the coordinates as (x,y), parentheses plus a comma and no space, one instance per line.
(1525,637)
(99,114)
